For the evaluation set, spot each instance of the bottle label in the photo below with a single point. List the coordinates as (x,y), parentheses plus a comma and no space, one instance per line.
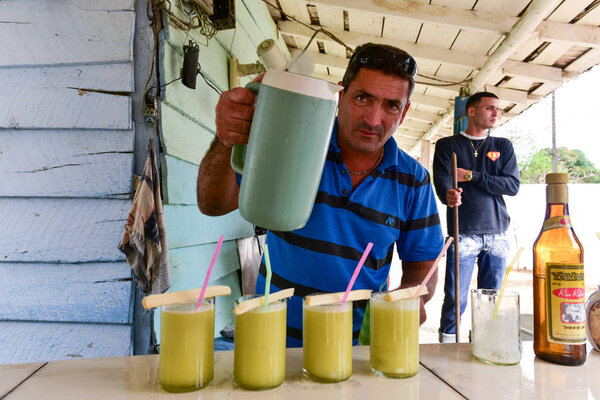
(565,307)
(561,221)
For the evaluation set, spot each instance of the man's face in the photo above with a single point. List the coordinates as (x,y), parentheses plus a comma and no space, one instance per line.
(370,110)
(484,114)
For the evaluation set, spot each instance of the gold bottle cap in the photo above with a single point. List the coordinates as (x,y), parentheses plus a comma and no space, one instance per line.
(556,189)
(557,178)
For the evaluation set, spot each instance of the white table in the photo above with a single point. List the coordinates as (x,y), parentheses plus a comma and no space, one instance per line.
(13,374)
(136,377)
(532,378)
(447,371)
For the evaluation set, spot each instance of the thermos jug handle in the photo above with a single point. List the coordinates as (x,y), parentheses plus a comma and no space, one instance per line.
(238,154)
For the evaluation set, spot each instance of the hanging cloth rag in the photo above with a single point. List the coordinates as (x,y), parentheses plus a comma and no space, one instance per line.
(145,240)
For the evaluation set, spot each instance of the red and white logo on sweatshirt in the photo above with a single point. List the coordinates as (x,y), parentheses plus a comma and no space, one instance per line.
(493,155)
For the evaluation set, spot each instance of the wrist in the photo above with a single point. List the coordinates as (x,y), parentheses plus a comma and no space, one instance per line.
(468,176)
(221,143)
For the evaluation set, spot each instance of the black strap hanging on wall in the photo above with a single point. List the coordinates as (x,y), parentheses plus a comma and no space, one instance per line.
(191,51)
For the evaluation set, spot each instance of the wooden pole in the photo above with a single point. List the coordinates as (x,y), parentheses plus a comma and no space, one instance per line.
(456,255)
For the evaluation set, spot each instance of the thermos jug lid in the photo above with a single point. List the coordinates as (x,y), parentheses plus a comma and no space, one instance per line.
(301,84)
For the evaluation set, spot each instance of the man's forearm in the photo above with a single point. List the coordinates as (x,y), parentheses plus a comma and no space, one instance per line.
(217,190)
(413,274)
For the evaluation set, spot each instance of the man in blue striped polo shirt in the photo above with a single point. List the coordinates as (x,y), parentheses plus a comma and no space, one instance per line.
(370,191)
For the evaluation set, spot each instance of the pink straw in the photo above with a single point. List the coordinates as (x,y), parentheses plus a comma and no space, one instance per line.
(212,264)
(356,271)
(433,268)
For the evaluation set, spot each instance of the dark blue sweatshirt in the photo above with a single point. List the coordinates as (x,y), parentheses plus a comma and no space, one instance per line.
(495,173)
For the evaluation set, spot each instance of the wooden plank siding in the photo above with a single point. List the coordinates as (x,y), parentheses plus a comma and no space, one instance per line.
(66,163)
(187,127)
(180,187)
(259,13)
(187,265)
(183,137)
(187,226)
(55,230)
(212,57)
(22,340)
(196,104)
(104,77)
(66,166)
(25,107)
(66,32)
(88,292)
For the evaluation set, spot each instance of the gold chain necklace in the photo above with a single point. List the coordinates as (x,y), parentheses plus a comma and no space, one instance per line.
(358,173)
(478,147)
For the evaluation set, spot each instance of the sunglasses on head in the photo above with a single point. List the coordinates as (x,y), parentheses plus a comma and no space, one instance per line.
(377,56)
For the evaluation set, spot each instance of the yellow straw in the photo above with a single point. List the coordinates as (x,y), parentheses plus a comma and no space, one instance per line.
(504,280)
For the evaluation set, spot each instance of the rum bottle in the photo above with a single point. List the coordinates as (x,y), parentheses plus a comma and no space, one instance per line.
(558,288)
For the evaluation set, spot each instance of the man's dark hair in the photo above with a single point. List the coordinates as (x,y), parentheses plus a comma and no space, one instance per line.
(476,98)
(381,57)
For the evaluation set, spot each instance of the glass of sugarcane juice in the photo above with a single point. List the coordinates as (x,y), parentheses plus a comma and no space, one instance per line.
(327,342)
(187,346)
(259,350)
(394,336)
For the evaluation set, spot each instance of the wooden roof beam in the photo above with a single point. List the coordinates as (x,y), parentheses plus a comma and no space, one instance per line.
(542,73)
(582,35)
(329,60)
(404,143)
(440,54)
(439,82)
(417,126)
(513,95)
(484,21)
(422,115)
(577,34)
(535,72)
(437,102)
(329,78)
(591,57)
(405,134)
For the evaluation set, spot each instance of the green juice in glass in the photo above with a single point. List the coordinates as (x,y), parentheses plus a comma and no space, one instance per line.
(327,337)
(394,336)
(186,348)
(259,351)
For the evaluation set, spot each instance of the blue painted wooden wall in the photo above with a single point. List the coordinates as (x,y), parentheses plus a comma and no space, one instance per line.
(187,127)
(67,161)
(66,166)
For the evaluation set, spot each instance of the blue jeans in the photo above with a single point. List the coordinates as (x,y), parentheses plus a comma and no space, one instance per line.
(490,253)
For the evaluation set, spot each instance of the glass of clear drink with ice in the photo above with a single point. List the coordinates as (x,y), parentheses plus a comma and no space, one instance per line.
(495,335)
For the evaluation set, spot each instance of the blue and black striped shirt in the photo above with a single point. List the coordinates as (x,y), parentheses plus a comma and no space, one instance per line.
(395,204)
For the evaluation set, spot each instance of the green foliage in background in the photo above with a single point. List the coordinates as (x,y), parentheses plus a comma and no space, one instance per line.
(573,162)
(535,163)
